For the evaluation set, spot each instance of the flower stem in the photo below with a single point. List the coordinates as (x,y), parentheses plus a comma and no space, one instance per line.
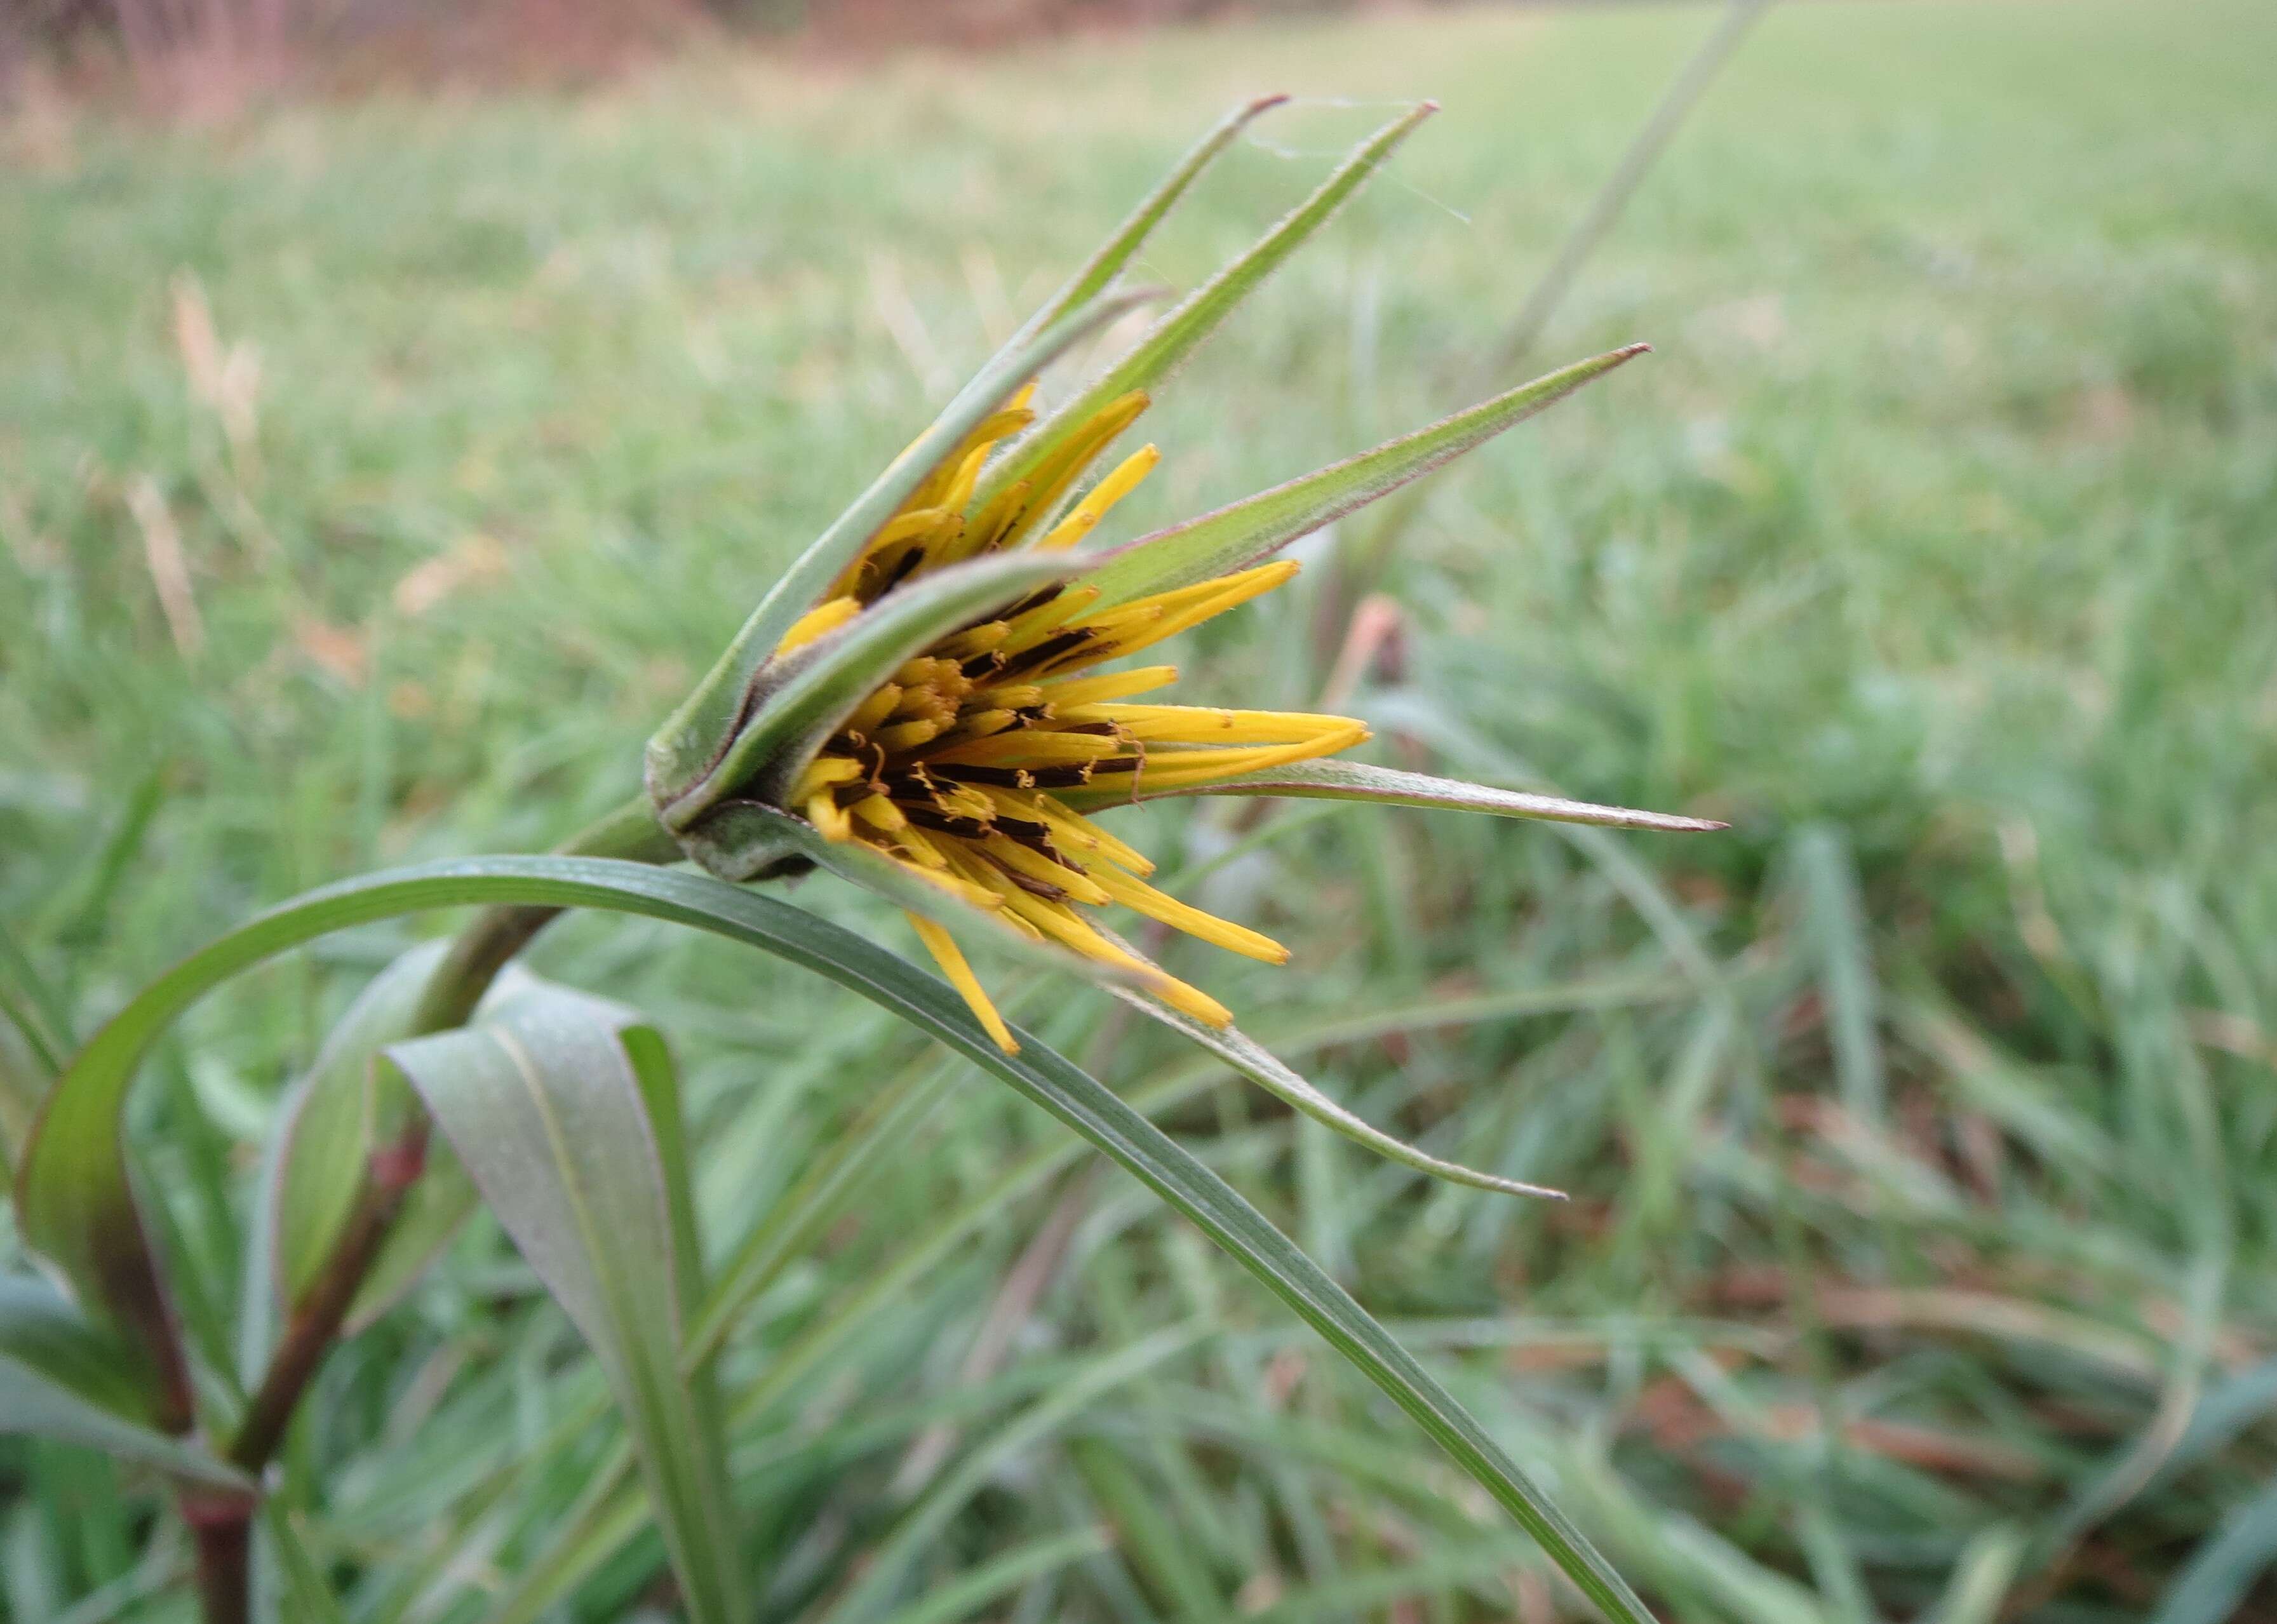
(488,944)
(222,1531)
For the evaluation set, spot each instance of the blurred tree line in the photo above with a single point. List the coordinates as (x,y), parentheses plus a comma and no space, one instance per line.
(209,55)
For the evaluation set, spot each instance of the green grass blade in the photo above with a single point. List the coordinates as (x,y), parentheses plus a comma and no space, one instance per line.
(554,1121)
(923,1522)
(301,1574)
(2226,1566)
(685,749)
(1359,781)
(1836,917)
(32,1006)
(1176,335)
(1239,534)
(89,1098)
(969,1592)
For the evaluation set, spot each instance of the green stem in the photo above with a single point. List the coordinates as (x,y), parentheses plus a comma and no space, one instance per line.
(489,944)
(484,947)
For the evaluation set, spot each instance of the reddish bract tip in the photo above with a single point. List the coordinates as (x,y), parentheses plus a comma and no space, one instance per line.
(397,1166)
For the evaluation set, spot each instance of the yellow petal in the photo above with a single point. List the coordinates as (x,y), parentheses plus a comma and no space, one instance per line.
(946,953)
(825,617)
(1088,513)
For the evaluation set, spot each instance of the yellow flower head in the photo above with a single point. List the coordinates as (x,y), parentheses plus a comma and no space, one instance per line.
(952,766)
(918,702)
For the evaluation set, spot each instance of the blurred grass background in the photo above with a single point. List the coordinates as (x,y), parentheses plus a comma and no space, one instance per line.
(373,476)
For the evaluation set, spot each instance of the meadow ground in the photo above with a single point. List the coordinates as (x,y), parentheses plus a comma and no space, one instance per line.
(1920,1131)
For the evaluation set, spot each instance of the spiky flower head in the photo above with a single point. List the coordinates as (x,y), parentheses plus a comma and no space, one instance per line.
(922,703)
(964,765)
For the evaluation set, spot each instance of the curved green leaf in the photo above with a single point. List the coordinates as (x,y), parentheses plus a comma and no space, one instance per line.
(1336,780)
(444,1196)
(1239,534)
(88,1099)
(346,1107)
(692,738)
(566,1120)
(61,1377)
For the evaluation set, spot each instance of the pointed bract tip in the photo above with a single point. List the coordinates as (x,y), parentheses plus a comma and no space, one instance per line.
(1638,348)
(1264,104)
(1425,107)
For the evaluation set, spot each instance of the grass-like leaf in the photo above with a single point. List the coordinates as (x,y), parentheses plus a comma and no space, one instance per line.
(567,1121)
(1259,1064)
(1238,535)
(89,1098)
(1336,780)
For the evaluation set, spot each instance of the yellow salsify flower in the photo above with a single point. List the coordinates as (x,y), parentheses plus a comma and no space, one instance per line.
(951,767)
(919,705)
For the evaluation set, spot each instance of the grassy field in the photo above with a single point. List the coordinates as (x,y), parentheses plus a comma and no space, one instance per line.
(1920,1131)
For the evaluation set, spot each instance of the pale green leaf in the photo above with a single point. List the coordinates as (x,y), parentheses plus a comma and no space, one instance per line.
(1260,1067)
(444,1197)
(556,1123)
(1236,537)
(1336,780)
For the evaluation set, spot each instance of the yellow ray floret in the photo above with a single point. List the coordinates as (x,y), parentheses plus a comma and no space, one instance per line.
(1084,516)
(826,617)
(943,948)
